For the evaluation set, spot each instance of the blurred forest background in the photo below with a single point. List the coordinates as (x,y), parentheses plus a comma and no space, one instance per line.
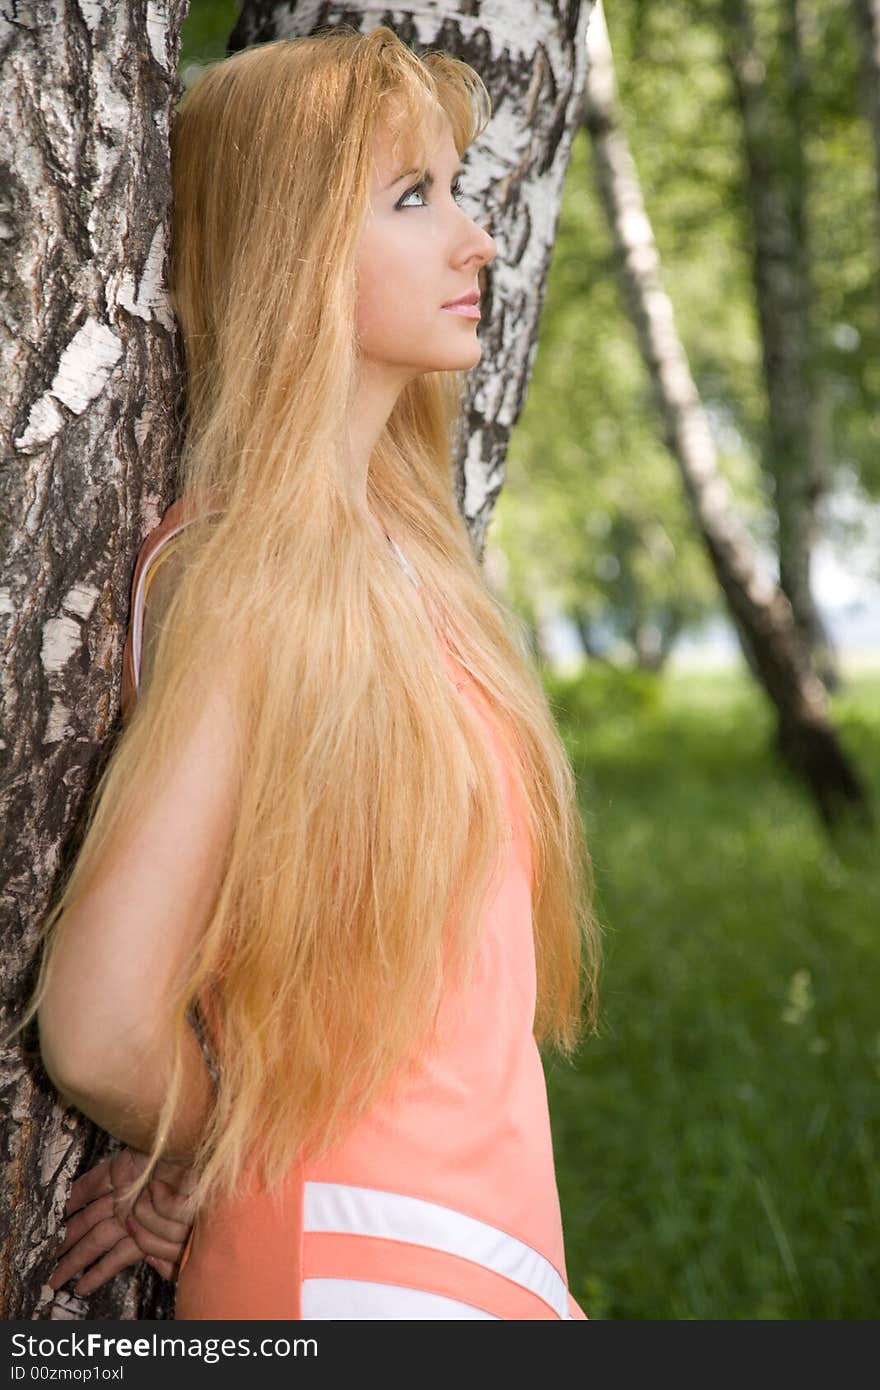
(717,1144)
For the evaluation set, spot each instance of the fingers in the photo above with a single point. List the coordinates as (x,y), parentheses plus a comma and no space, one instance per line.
(166,1220)
(167,1204)
(104,1233)
(151,1244)
(100,1212)
(89,1186)
(97,1220)
(124,1252)
(101,1240)
(111,1173)
(125,1168)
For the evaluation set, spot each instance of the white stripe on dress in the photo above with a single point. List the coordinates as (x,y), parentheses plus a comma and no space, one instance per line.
(361,1298)
(367,1211)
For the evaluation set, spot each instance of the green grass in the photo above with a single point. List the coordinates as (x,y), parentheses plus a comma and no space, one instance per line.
(717,1145)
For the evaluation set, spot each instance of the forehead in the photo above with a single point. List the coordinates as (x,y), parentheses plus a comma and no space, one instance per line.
(397,146)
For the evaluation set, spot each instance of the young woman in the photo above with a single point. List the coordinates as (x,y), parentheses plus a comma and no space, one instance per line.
(339,832)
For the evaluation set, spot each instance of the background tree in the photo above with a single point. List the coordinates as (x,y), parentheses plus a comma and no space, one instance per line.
(587,448)
(775,175)
(761,612)
(867,16)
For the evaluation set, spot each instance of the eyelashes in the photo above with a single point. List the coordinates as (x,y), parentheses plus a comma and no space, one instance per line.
(421,189)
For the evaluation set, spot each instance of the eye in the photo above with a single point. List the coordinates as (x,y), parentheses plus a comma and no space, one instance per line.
(417,188)
(421,189)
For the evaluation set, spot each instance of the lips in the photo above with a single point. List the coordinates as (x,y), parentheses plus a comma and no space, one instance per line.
(471,297)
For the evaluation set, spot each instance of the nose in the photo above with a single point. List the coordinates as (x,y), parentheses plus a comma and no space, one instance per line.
(477,244)
(491,249)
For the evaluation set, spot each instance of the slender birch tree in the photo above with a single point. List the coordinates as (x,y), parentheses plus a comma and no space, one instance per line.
(760,611)
(89,436)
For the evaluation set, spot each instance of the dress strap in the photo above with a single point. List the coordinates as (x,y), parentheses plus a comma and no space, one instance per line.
(173,522)
(143,584)
(404,563)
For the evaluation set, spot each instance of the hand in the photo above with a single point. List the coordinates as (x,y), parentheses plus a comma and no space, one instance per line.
(105,1232)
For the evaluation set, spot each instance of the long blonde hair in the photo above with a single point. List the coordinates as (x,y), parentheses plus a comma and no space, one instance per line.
(370,817)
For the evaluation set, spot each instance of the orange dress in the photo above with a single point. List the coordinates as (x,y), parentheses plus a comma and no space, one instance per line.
(442,1204)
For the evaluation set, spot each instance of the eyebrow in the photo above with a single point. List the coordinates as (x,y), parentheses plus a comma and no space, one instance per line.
(429,177)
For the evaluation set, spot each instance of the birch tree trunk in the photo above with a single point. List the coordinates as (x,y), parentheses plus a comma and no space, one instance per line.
(773,145)
(761,613)
(87,421)
(89,429)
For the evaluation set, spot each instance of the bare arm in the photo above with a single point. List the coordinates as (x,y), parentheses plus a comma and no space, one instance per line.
(128,1105)
(105,1034)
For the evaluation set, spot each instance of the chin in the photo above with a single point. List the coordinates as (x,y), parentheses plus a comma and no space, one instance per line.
(460,361)
(467,357)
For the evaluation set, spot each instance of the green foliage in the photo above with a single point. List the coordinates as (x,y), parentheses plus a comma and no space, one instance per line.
(601,693)
(206,29)
(592,519)
(717,1145)
(686,136)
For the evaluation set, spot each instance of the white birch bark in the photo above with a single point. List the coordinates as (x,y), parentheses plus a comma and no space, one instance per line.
(88,431)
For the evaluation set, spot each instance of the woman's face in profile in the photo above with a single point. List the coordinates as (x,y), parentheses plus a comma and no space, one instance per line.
(418,250)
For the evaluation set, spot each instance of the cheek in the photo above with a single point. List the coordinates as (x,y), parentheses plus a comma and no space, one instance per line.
(393,294)
(375,313)
(391,316)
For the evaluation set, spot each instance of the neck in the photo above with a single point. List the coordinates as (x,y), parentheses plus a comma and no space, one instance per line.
(377,391)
